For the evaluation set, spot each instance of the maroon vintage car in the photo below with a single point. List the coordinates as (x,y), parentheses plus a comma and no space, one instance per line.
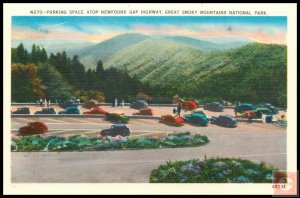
(96,110)
(33,128)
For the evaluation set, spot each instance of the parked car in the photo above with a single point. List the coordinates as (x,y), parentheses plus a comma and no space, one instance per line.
(90,104)
(23,110)
(169,119)
(68,103)
(139,104)
(214,106)
(96,110)
(199,110)
(33,128)
(46,111)
(117,117)
(145,111)
(70,110)
(224,120)
(189,105)
(244,107)
(116,129)
(197,118)
(261,110)
(270,107)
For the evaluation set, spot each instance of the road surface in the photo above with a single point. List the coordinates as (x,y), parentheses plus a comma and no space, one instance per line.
(256,141)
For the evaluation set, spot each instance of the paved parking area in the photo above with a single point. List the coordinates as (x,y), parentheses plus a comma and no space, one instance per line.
(256,141)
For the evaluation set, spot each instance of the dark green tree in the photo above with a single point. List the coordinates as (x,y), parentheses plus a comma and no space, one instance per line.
(21,56)
(56,87)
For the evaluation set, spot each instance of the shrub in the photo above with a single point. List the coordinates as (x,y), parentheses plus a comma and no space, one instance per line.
(214,170)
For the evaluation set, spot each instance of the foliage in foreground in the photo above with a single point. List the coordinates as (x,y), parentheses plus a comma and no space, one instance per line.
(85,143)
(213,170)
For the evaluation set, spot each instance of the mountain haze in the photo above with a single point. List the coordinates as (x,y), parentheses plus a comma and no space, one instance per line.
(109,49)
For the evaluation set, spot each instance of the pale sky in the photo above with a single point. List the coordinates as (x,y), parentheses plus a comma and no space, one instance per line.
(98,28)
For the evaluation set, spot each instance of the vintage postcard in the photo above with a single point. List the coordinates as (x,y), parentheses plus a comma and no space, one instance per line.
(150,99)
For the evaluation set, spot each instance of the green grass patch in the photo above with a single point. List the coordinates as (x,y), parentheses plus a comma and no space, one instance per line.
(214,170)
(87,143)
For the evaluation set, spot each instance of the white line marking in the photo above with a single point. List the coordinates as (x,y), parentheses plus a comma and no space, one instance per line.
(79,120)
(68,123)
(55,120)
(96,119)
(15,122)
(66,129)
(267,154)
(55,132)
(27,120)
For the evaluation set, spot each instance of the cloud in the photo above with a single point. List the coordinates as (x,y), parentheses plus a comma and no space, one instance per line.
(51,26)
(264,33)
(58,33)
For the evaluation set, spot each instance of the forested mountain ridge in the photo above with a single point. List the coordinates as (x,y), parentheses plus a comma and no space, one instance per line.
(252,73)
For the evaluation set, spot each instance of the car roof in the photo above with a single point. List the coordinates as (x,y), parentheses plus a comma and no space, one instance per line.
(226,115)
(143,101)
(263,109)
(246,104)
(72,107)
(119,125)
(215,103)
(198,114)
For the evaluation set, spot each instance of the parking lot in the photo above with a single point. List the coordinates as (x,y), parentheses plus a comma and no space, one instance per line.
(157,110)
(256,141)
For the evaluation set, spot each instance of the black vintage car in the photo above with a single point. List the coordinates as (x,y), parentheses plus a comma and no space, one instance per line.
(46,111)
(116,129)
(139,104)
(224,120)
(23,110)
(214,106)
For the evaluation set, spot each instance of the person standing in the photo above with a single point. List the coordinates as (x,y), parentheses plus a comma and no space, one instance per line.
(249,118)
(178,108)
(113,103)
(116,102)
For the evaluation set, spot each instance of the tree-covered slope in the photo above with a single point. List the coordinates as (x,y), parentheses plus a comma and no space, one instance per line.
(254,73)
(89,56)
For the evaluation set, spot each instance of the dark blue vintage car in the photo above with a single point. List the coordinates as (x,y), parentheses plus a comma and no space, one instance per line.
(214,106)
(46,111)
(70,110)
(224,120)
(196,118)
(23,110)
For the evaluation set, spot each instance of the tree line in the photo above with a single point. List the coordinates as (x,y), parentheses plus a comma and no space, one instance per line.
(35,76)
(254,73)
